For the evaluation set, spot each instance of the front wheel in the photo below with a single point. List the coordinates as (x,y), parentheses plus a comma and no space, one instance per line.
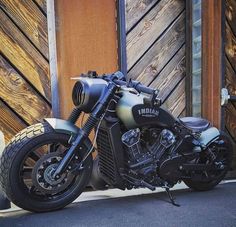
(26,168)
(219,153)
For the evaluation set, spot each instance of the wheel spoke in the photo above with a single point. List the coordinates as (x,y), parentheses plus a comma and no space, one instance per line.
(34,156)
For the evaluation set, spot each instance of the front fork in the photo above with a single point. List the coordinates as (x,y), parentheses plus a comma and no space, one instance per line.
(93,119)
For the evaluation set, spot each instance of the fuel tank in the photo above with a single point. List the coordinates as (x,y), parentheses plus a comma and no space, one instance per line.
(132,111)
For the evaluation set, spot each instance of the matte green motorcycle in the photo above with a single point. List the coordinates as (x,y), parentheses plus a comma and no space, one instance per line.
(140,144)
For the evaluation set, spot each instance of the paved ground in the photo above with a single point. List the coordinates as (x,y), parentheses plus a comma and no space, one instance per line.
(213,208)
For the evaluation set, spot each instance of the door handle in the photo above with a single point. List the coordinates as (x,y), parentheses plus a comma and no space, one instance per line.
(226,97)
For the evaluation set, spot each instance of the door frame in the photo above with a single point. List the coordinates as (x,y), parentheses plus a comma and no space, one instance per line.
(212,62)
(53,61)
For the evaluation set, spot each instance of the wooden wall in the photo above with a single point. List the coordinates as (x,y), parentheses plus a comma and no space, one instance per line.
(24,69)
(155,56)
(230,68)
(156,48)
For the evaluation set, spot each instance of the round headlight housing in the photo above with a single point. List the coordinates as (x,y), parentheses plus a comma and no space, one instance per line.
(86,93)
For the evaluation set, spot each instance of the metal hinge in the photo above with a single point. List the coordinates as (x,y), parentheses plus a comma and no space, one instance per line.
(226,97)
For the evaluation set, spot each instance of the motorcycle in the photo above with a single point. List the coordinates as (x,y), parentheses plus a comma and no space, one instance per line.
(139,144)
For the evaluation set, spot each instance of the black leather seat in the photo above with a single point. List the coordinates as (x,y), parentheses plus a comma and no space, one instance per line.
(196,124)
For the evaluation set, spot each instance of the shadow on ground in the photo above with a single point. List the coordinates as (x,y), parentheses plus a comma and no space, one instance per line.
(212,208)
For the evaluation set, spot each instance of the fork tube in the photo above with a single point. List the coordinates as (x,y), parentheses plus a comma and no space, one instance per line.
(88,126)
(74,115)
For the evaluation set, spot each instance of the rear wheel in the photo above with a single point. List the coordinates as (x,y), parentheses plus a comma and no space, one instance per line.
(222,152)
(26,168)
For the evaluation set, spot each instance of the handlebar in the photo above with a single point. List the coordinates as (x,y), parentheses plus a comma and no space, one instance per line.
(136,85)
(118,78)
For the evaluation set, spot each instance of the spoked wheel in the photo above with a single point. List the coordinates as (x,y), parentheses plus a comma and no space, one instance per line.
(219,155)
(27,166)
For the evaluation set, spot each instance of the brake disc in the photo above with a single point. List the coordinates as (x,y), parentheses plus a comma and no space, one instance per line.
(43,171)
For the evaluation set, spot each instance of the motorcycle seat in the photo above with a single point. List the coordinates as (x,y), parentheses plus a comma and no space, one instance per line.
(196,124)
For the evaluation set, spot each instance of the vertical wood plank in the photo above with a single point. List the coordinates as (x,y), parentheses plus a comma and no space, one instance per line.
(212,60)
(86,40)
(53,57)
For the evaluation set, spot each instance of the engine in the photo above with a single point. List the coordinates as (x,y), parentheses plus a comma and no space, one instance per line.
(145,154)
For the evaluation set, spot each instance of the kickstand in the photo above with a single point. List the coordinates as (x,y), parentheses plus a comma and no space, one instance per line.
(171,198)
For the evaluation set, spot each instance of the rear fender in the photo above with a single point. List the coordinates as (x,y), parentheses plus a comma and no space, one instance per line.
(208,136)
(66,127)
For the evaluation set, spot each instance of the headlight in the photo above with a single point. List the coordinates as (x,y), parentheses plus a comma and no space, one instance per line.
(86,92)
(78,93)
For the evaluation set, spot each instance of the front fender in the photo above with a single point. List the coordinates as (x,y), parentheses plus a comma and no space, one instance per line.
(63,126)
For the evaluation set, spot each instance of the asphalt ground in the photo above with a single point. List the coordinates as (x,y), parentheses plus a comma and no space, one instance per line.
(212,208)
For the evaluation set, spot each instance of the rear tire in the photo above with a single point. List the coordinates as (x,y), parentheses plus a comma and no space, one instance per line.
(228,154)
(13,159)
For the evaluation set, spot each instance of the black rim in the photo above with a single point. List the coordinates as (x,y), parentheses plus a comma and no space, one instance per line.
(50,146)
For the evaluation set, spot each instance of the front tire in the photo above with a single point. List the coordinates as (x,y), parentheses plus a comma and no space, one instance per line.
(19,160)
(223,149)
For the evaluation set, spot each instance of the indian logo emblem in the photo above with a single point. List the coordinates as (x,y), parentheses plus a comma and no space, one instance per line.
(148,112)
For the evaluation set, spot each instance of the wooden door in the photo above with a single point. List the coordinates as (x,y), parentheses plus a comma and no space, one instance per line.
(230,69)
(86,40)
(156,48)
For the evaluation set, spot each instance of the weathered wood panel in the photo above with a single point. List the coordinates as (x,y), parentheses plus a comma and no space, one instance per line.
(230,78)
(171,75)
(156,48)
(42,4)
(151,27)
(230,47)
(30,20)
(176,102)
(136,9)
(16,47)
(160,53)
(230,69)
(10,124)
(231,14)
(20,96)
(230,120)
(24,69)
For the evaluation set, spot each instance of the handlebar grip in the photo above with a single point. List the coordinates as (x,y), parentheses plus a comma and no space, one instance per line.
(120,82)
(144,89)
